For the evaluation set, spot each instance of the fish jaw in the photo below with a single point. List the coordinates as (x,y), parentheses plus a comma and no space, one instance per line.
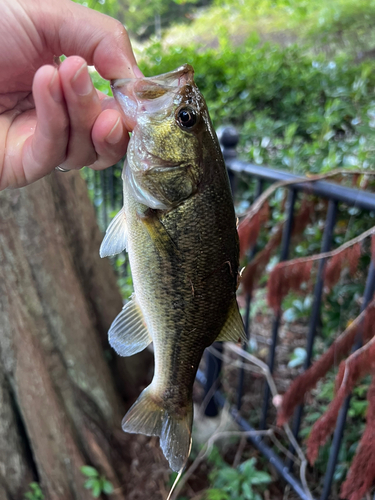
(164,164)
(149,95)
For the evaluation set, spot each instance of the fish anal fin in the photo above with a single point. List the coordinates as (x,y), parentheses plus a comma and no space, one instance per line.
(128,333)
(148,416)
(233,328)
(115,237)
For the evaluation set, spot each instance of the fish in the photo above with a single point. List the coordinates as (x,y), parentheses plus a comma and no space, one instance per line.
(178,226)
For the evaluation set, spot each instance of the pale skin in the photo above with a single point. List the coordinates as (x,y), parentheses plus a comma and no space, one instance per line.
(53,116)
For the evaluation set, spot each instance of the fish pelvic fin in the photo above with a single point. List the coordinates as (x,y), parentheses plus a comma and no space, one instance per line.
(128,333)
(149,416)
(115,239)
(233,328)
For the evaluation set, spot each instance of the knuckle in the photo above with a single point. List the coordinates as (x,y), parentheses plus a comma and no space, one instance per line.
(119,31)
(118,28)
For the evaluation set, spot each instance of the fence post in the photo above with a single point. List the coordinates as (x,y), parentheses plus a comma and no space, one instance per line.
(228,138)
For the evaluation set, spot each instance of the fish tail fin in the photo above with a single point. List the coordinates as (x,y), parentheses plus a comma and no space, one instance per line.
(148,416)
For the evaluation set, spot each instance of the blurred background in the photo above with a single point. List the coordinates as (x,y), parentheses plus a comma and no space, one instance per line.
(296,78)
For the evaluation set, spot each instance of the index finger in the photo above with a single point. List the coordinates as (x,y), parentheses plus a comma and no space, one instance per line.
(101,40)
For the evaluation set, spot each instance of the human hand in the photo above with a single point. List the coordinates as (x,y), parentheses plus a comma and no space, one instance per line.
(53,116)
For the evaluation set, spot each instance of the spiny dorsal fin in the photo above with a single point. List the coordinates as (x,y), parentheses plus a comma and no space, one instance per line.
(115,237)
(128,333)
(233,328)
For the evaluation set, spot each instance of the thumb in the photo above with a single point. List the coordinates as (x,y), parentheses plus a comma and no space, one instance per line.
(101,40)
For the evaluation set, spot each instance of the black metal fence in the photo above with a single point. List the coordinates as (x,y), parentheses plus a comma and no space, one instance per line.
(107,190)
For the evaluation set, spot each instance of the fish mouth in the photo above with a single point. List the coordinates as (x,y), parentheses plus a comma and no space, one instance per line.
(184,75)
(151,94)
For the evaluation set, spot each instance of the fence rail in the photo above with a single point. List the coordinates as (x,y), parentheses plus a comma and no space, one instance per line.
(107,198)
(335,194)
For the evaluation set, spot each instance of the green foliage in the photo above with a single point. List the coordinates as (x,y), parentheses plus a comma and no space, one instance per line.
(109,7)
(139,16)
(298,357)
(294,110)
(96,483)
(339,26)
(243,483)
(299,309)
(35,492)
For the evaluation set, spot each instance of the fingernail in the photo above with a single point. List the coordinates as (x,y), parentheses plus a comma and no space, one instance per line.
(81,81)
(55,88)
(115,134)
(137,72)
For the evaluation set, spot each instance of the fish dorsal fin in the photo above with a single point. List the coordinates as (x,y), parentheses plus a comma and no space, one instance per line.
(115,237)
(233,329)
(128,333)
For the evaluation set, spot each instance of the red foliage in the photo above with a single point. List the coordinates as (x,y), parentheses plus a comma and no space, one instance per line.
(340,348)
(333,270)
(362,471)
(248,230)
(255,268)
(348,257)
(353,256)
(284,278)
(350,371)
(304,216)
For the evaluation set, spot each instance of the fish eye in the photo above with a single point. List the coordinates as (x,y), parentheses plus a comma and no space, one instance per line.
(186,117)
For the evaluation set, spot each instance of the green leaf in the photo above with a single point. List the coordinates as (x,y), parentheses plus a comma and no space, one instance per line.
(261,477)
(90,483)
(97,489)
(107,487)
(247,491)
(89,471)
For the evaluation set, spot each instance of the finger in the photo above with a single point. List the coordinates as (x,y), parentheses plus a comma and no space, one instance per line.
(110,139)
(37,139)
(101,40)
(83,107)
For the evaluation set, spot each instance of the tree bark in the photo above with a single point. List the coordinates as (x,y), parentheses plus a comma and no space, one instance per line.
(60,399)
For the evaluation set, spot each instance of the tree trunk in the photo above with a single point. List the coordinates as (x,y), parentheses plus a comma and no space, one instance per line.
(61,401)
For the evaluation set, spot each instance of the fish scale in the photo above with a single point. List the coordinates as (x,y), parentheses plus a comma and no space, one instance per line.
(182,241)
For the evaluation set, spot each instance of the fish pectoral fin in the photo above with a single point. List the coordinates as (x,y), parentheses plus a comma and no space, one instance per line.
(148,416)
(115,237)
(158,233)
(128,333)
(233,328)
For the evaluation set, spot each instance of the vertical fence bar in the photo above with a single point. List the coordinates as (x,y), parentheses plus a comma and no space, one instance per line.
(258,192)
(315,312)
(340,424)
(213,370)
(287,233)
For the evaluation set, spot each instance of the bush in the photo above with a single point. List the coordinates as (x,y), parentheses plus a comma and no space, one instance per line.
(294,110)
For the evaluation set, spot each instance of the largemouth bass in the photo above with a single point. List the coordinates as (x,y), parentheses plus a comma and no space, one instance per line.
(179,228)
